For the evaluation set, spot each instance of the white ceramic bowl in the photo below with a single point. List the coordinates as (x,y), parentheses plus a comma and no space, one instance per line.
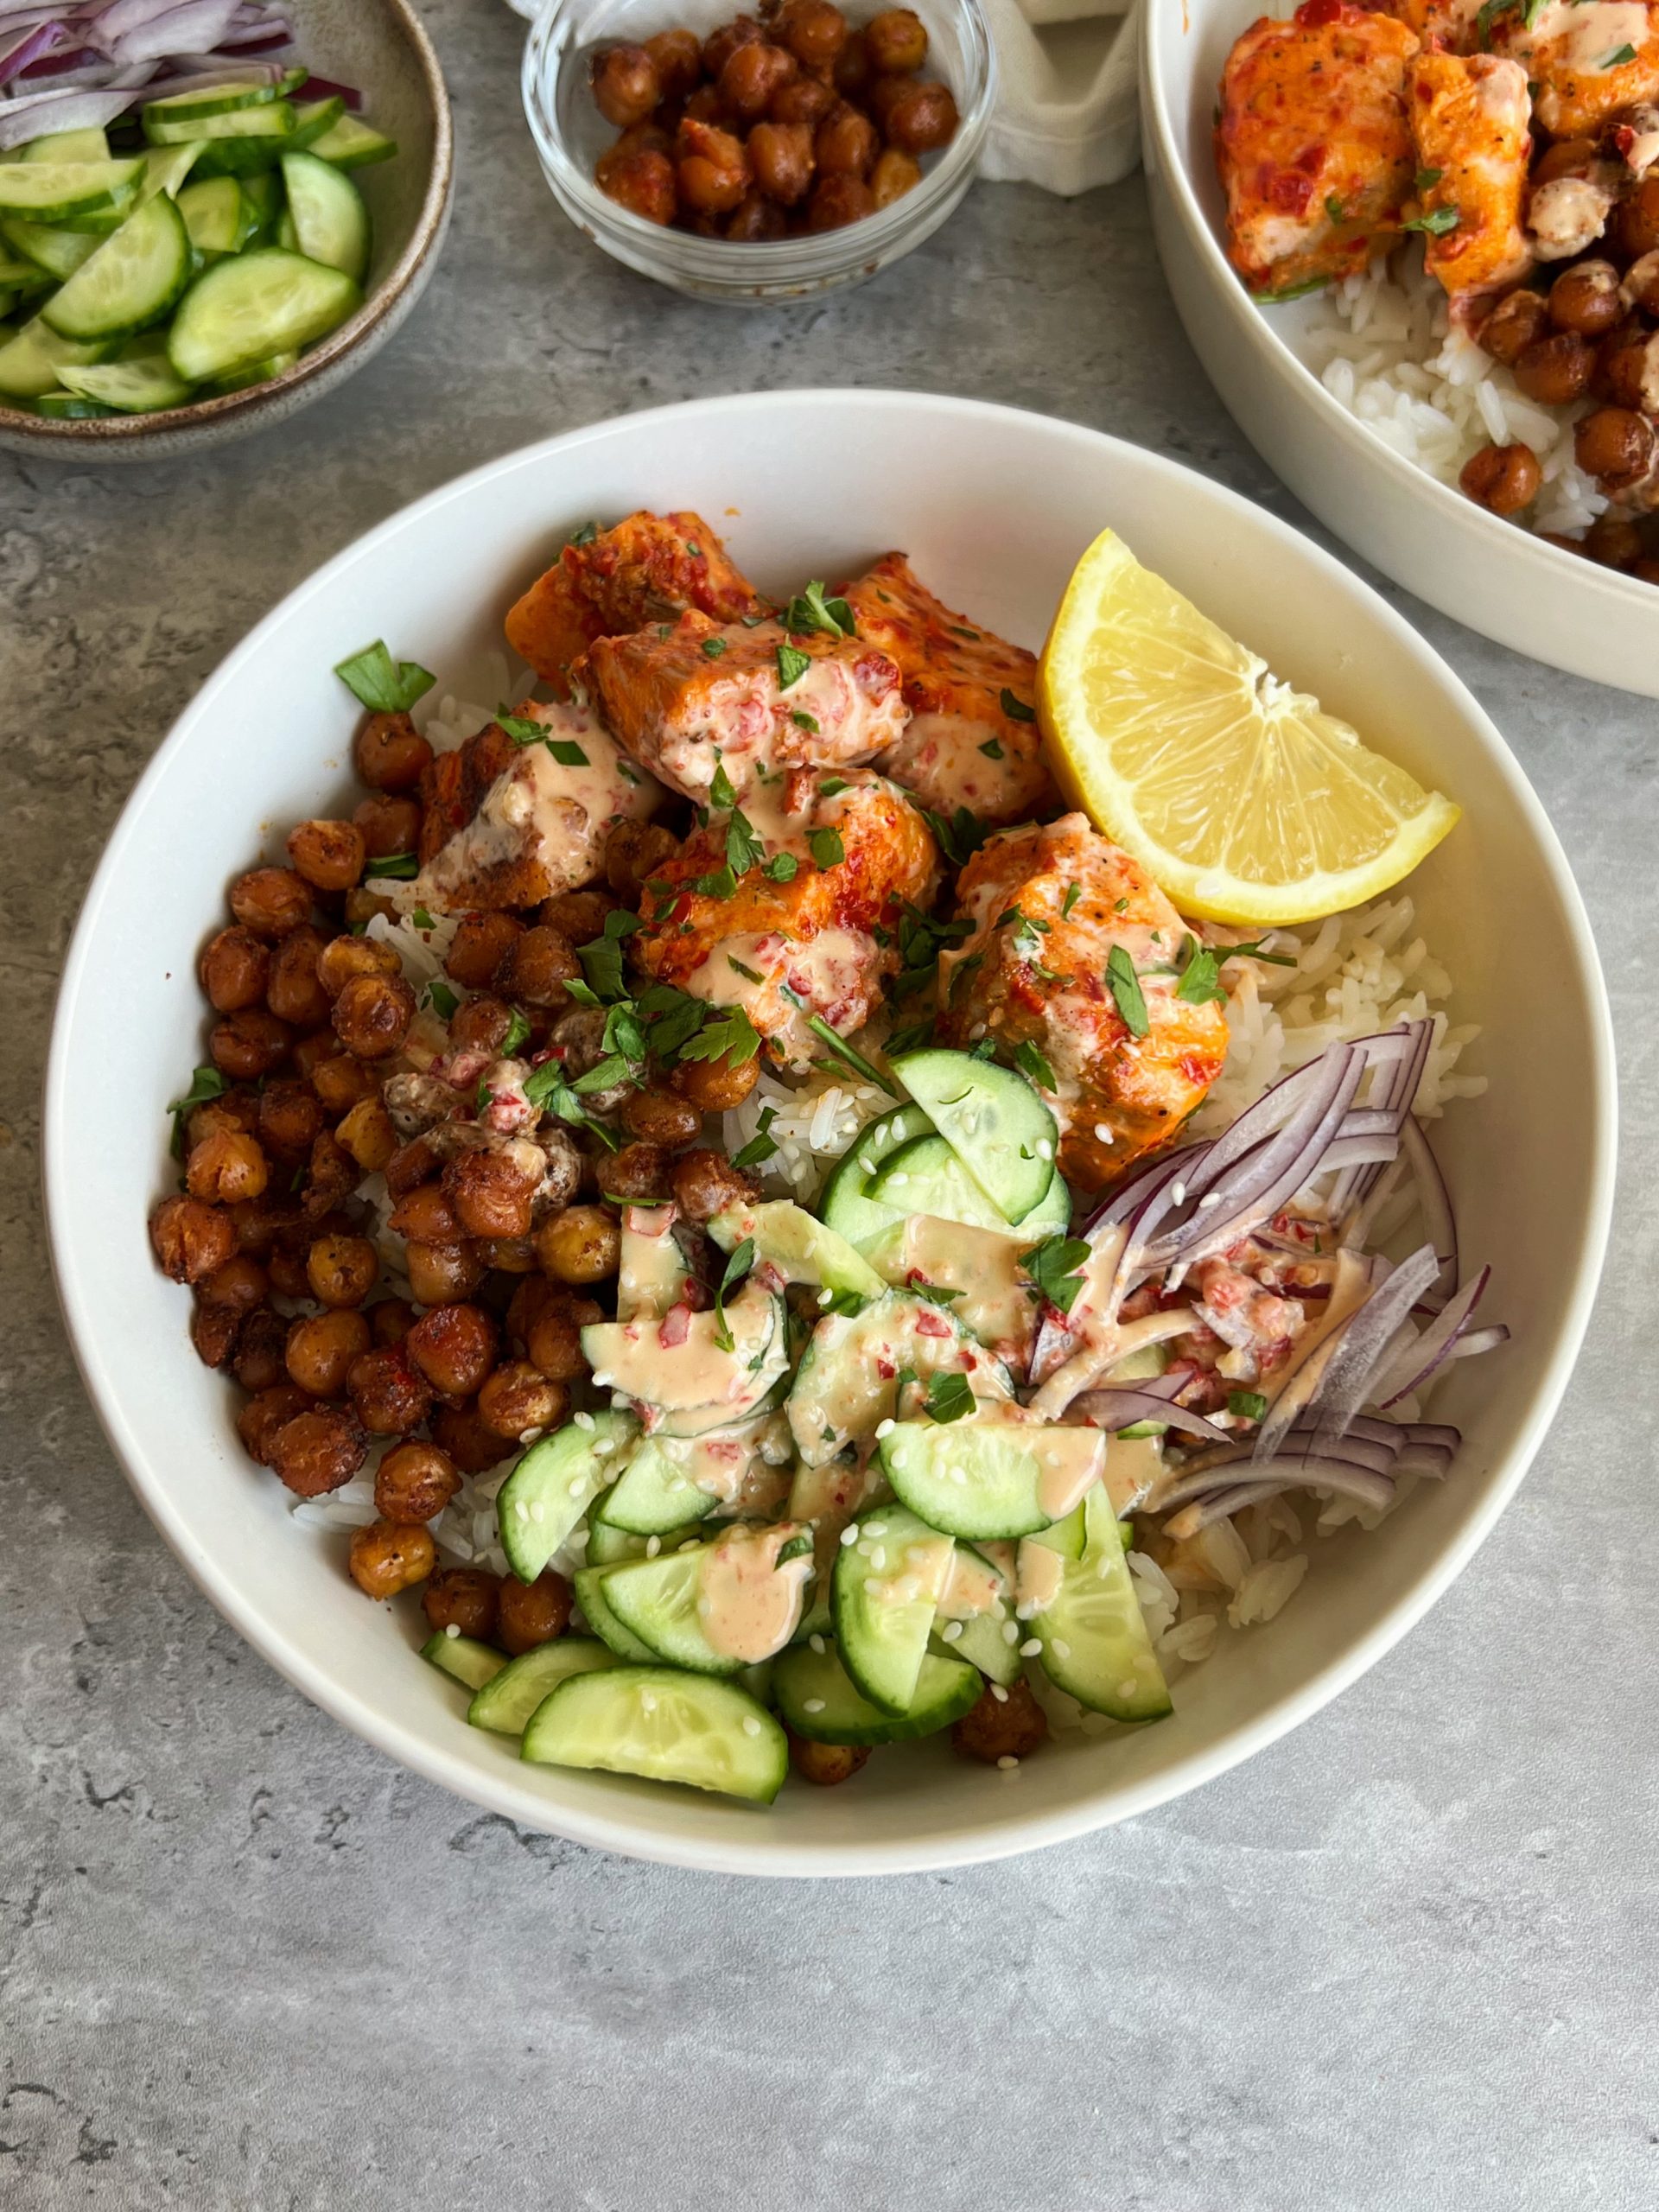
(1556,607)
(994,506)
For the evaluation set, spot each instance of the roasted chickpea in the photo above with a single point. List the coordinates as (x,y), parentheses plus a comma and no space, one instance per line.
(1555,370)
(392,1320)
(294,993)
(234,968)
(474,1448)
(825,1764)
(1629,371)
(225,1166)
(410,1165)
(480,1025)
(372,1015)
(259,1361)
(1615,446)
(390,754)
(897,39)
(320,1349)
(213,1332)
(639,1171)
(342,1270)
(318,1451)
(260,1222)
(719,45)
(804,99)
(1641,286)
(510,1255)
(782,156)
(478,947)
(426,1215)
(538,967)
(659,1117)
(1613,540)
(387,825)
(677,55)
(489,1195)
(1585,298)
(895,174)
(240,1283)
(290,1121)
(265,1415)
(329,855)
(415,1482)
(518,1399)
(345,958)
(1635,220)
(813,30)
(532,1613)
(465,1599)
(341,1082)
(642,182)
(581,1245)
(838,200)
(1013,1726)
(922,118)
(633,852)
(882,93)
(627,85)
(705,106)
(852,72)
(191,1238)
(553,1343)
(331,1176)
(387,1396)
(361,905)
(1505,479)
(715,1086)
(705,1183)
(1519,319)
(1566,157)
(366,1132)
(578,916)
(442,1274)
(755,74)
(387,1557)
(712,170)
(249,1043)
(288,1276)
(313,1049)
(271,901)
(454,1347)
(236,1110)
(846,143)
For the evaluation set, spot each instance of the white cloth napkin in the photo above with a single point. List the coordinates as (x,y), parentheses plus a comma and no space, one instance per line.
(1065,117)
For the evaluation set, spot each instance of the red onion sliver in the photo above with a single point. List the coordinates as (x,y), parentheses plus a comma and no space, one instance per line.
(1412,1366)
(1119,1406)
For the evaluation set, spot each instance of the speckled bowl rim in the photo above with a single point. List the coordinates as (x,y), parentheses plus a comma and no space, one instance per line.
(167,424)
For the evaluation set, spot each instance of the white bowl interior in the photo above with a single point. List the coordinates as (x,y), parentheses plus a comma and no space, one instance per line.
(994,506)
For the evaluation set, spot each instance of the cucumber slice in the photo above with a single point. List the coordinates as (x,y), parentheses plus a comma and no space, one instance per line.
(263,193)
(979,1267)
(55,253)
(973,1615)
(68,146)
(992,1120)
(350,145)
(665,1725)
(596,1611)
(665,1601)
(694,1384)
(287,237)
(656,1495)
(887,1586)
(802,1249)
(270,120)
(463,1658)
(253,305)
(29,362)
(330,220)
(991,1479)
(1095,1642)
(507,1700)
(848,1382)
(926,1176)
(552,1486)
(846,1206)
(1142,1366)
(817,1699)
(652,1271)
(130,282)
(314,119)
(216,99)
(61,192)
(166,168)
(139,386)
(217,216)
(69,407)
(20,276)
(261,372)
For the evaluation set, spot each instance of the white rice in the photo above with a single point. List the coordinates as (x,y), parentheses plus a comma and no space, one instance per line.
(1382,344)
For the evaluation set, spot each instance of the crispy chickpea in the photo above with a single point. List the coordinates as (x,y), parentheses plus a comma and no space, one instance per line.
(465,1599)
(715,1086)
(489,1195)
(389,752)
(1504,479)
(838,200)
(240,1283)
(922,118)
(1613,540)
(236,1110)
(533,1296)
(633,852)
(510,1255)
(260,1222)
(641,180)
(258,1362)
(341,1082)
(639,1171)
(852,73)
(267,1413)
(329,855)
(271,901)
(1635,220)
(826,1764)
(1555,370)
(366,1132)
(344,957)
(538,967)
(213,1332)
(318,1451)
(880,94)
(719,45)
(387,1396)
(659,1117)
(1641,286)
(804,99)
(387,824)
(705,106)
(410,1165)
(191,1238)
(705,1183)
(372,1015)
(712,170)
(387,1557)
(454,1347)
(519,1400)
(533,1613)
(249,1043)
(294,993)
(290,1121)
(846,143)
(331,1176)
(1628,368)
(443,1275)
(578,916)
(474,1448)
(320,1349)
(288,1274)
(225,1166)
(814,31)
(1010,1726)
(1585,298)
(313,1049)
(677,55)
(426,1214)
(480,1025)
(895,174)
(361,905)
(897,39)
(1615,446)
(782,156)
(342,1270)
(581,1245)
(415,1482)
(1566,157)
(392,1320)
(478,947)
(755,74)
(1519,319)
(553,1343)
(234,968)
(627,85)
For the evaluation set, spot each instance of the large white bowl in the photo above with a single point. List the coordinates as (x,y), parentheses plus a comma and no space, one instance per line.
(1556,607)
(994,507)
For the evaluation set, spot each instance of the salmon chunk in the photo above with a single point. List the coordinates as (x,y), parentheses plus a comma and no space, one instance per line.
(1588,61)
(1444,26)
(687,698)
(1313,143)
(647,568)
(510,821)
(972,738)
(1471,125)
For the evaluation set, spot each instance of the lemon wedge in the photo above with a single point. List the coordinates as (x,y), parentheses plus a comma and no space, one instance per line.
(1247,801)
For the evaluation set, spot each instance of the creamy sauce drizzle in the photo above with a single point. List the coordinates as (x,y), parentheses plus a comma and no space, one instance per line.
(749,1605)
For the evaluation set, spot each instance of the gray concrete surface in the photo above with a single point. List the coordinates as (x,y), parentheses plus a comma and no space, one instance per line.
(1406,1959)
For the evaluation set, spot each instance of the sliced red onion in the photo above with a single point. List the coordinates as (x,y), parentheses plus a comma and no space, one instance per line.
(195,28)
(1115,1406)
(20,51)
(1478,1341)
(35,114)
(1224,1493)
(1430,1446)
(324,88)
(1414,1363)
(1350,1354)
(1439,1223)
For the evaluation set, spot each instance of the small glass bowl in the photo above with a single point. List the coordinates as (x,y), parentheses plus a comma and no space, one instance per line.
(570,135)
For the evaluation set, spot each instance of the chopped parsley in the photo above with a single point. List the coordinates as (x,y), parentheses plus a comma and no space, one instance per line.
(206,1083)
(731,1036)
(1436,223)
(1125,986)
(993,749)
(1290,292)
(911,1037)
(844,1051)
(752,975)
(949,1397)
(811,610)
(568,753)
(720,883)
(1016,708)
(518,1033)
(737,1266)
(1618,57)
(827,849)
(1424,178)
(934,1294)
(921,940)
(960,838)
(783,867)
(1249,1405)
(955,628)
(744,850)
(792,664)
(402,865)
(802,720)
(964,969)
(1055,1265)
(761,1145)
(831,785)
(712,648)
(672,1016)
(384,686)
(586,534)
(601,960)
(442,1001)
(1073,893)
(421,919)
(1032,1065)
(721,790)
(519,728)
(843,1301)
(1200,983)
(1333,208)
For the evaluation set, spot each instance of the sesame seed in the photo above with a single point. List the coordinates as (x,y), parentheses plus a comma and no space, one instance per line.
(602,1383)
(537,1509)
(1177,1194)
(817,1644)
(1045,1149)
(850,1535)
(1008,1762)
(950,1631)
(690,1545)
(653,1545)
(584,1420)
(453,1628)
(1031,1648)
(976,1033)
(812,1705)
(521,1508)
(879,1557)
(883,1429)
(1126,1689)
(1102,1134)
(1061,1650)
(604,1448)
(751,1726)
(999,1693)
(899,1180)
(869,1165)
(648,1701)
(875,1527)
(1010,1633)
(578,1484)
(825,1297)
(1210,1198)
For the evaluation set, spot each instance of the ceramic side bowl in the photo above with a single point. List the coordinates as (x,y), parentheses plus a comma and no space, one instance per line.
(381,47)
(994,506)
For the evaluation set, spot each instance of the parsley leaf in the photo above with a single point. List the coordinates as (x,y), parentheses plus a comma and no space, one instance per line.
(1424,178)
(760,1146)
(731,1036)
(601,960)
(721,791)
(811,610)
(519,728)
(1125,986)
(934,1293)
(1250,1404)
(546,1087)
(831,785)
(993,749)
(1016,710)
(518,1032)
(1055,1265)
(911,1037)
(737,1267)
(442,1001)
(827,851)
(744,850)
(948,1397)
(384,686)
(568,753)
(1618,57)
(1333,208)
(792,664)
(1200,983)
(721,883)
(803,720)
(712,648)
(752,974)
(421,919)
(1073,893)
(844,1051)
(404,866)
(1436,223)
(960,838)
(783,867)
(1032,1065)
(672,1016)
(586,534)
(207,1083)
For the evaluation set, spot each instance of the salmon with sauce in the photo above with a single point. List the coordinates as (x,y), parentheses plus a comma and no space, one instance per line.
(1442,26)
(1313,144)
(1470,124)
(1588,62)
(647,568)
(972,738)
(1071,938)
